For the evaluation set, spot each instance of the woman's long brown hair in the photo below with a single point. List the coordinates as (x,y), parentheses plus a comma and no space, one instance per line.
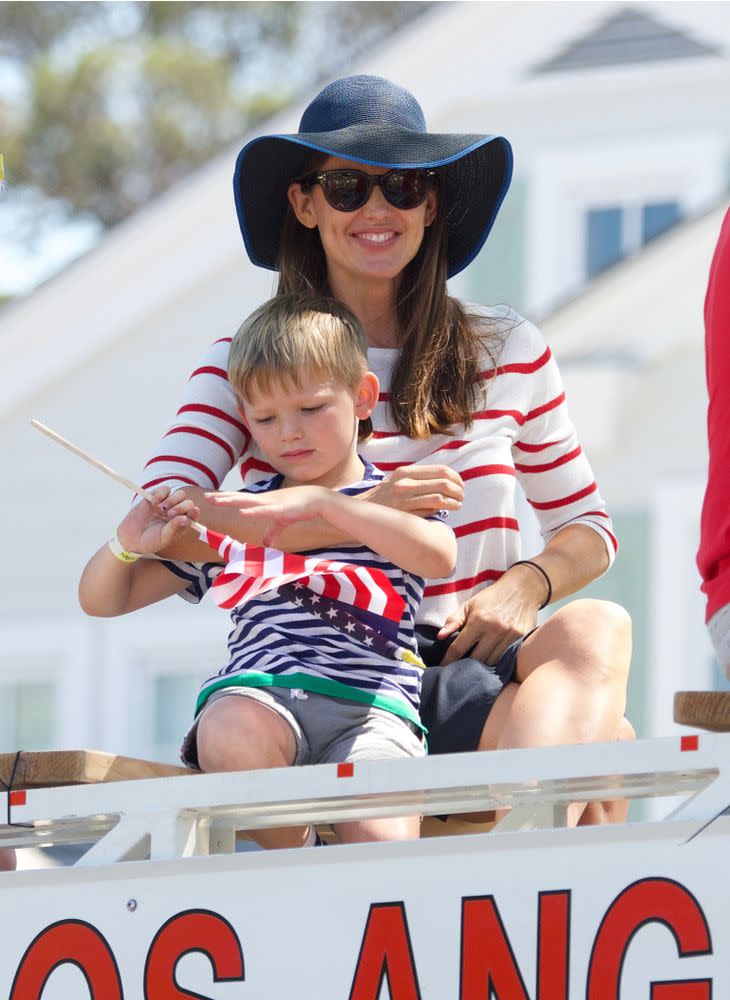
(436,381)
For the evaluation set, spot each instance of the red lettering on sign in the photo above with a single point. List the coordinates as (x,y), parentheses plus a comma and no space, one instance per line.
(553,945)
(488,966)
(191,930)
(685,989)
(651,900)
(71,942)
(386,952)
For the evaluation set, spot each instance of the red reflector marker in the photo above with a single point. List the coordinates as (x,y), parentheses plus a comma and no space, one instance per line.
(689,743)
(17,798)
(345,770)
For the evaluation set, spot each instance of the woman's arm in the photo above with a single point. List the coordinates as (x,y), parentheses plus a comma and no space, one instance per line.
(206,437)
(507,609)
(203,443)
(560,487)
(424,547)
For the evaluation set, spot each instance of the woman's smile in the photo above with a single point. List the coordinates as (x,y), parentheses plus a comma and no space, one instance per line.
(376,238)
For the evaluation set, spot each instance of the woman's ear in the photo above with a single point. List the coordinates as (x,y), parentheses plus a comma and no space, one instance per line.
(431,207)
(367,395)
(301,203)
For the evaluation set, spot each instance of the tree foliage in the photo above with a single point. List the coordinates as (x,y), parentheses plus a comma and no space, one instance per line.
(112,102)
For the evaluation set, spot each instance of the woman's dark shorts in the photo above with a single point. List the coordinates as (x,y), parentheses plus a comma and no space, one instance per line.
(457,699)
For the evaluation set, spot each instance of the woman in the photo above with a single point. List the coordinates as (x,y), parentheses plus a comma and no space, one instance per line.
(364,204)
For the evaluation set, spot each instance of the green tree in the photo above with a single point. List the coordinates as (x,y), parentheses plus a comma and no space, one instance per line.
(113,102)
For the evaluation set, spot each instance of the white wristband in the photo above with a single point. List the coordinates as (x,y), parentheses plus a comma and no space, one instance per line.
(120,552)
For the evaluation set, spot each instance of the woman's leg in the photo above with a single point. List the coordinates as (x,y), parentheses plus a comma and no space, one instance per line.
(612,810)
(8,859)
(366,830)
(237,733)
(572,675)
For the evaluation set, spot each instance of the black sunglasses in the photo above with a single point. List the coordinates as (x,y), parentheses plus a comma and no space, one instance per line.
(348,190)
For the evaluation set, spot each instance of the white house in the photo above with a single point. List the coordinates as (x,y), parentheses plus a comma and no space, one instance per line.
(618,116)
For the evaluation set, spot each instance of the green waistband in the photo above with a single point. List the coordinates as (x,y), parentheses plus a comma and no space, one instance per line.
(318,685)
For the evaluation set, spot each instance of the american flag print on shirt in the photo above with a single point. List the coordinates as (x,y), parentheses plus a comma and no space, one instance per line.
(253,569)
(357,600)
(291,635)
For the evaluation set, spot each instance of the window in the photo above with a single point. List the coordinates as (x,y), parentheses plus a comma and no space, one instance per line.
(174,704)
(603,239)
(657,218)
(27,717)
(613,232)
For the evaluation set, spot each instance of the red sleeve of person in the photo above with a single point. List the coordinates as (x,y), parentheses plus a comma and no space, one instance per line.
(713,557)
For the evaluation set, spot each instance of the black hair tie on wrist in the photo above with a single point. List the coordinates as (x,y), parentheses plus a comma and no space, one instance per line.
(529,562)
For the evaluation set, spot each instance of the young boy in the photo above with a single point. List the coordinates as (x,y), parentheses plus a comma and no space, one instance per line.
(308,680)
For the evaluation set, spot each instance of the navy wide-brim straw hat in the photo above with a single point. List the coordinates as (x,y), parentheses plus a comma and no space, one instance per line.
(376,122)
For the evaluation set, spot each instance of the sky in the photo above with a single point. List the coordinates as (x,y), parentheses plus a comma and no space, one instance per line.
(22,269)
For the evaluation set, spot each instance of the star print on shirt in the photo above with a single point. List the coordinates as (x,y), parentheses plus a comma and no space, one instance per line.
(341,618)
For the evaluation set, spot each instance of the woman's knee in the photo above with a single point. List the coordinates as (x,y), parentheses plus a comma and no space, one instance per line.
(596,637)
(626,732)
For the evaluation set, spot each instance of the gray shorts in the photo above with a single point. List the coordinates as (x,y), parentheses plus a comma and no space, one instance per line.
(326,730)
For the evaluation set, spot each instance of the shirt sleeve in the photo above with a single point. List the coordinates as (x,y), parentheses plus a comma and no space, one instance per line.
(713,557)
(199,578)
(550,464)
(207,436)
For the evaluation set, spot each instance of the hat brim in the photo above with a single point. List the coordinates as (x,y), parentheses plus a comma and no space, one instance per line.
(474,172)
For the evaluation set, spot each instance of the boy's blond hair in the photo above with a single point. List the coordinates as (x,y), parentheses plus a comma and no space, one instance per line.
(290,336)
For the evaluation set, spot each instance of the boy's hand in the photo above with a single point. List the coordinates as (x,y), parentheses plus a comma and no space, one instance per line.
(148,528)
(282,507)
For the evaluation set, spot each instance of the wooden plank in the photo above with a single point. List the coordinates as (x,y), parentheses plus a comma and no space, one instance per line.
(50,768)
(703,710)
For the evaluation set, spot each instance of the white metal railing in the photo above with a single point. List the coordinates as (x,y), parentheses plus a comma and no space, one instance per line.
(167,818)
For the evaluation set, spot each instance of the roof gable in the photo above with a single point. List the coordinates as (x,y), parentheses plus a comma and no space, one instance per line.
(626,36)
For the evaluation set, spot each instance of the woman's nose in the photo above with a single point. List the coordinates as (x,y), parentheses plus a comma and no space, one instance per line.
(377,202)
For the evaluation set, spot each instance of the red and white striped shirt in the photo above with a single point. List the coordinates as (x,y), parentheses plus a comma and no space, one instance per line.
(521,431)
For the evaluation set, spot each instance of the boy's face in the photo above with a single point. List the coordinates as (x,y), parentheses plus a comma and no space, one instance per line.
(309,432)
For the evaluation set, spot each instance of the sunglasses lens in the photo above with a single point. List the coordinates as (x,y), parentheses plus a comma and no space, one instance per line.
(346,190)
(405,188)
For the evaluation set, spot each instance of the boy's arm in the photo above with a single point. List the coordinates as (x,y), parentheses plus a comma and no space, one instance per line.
(110,586)
(424,547)
(419,489)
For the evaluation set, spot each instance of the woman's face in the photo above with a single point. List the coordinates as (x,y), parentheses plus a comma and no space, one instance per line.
(375,242)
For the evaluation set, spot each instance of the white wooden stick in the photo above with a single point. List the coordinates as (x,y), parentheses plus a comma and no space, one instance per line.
(102,467)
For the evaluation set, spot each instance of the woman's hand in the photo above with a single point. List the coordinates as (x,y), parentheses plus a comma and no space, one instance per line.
(491,620)
(147,528)
(420,489)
